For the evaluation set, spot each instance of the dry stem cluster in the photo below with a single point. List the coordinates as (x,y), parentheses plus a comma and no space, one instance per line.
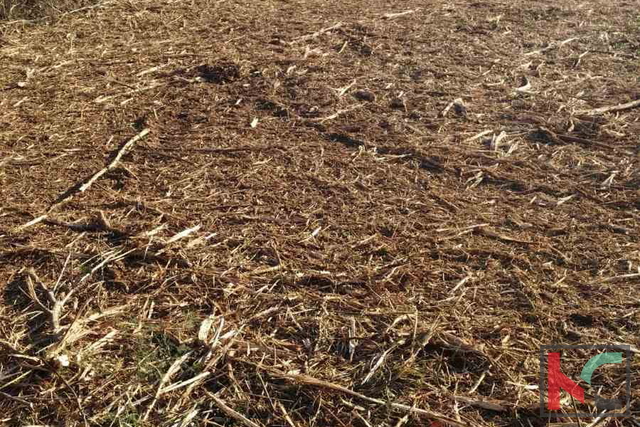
(294,213)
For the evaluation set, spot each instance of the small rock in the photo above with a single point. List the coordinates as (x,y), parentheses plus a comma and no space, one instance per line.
(415,115)
(386,125)
(398,103)
(364,95)
(459,107)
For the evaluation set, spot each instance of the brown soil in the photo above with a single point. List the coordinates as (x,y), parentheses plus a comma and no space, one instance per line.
(405,206)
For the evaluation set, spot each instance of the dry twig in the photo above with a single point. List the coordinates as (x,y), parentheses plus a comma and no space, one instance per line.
(613,108)
(55,311)
(230,412)
(307,380)
(317,33)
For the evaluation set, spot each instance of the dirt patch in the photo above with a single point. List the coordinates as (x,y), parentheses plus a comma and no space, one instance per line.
(39,9)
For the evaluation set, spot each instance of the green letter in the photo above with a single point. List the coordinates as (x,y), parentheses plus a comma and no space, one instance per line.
(596,361)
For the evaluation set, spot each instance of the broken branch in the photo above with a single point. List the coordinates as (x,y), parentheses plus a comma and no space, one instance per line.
(612,108)
(317,33)
(230,412)
(398,14)
(307,380)
(55,311)
(67,195)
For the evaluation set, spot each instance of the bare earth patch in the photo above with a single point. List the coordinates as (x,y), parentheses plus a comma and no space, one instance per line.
(313,213)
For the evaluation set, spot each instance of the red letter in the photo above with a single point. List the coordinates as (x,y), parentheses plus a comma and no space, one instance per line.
(557,380)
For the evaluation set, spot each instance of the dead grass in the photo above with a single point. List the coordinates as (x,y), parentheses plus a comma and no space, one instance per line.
(356,214)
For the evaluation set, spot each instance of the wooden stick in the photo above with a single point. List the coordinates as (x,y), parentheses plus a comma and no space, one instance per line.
(307,380)
(32,222)
(616,278)
(317,33)
(336,114)
(552,45)
(173,369)
(184,383)
(230,412)
(67,195)
(221,150)
(609,109)
(560,139)
(115,160)
(577,140)
(478,135)
(396,15)
(57,305)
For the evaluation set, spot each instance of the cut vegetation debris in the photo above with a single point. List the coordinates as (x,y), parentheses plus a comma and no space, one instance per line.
(312,213)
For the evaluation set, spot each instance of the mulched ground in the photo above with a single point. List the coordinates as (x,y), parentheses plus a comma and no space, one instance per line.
(350,213)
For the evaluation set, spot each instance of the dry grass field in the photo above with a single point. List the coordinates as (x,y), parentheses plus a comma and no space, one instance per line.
(313,213)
